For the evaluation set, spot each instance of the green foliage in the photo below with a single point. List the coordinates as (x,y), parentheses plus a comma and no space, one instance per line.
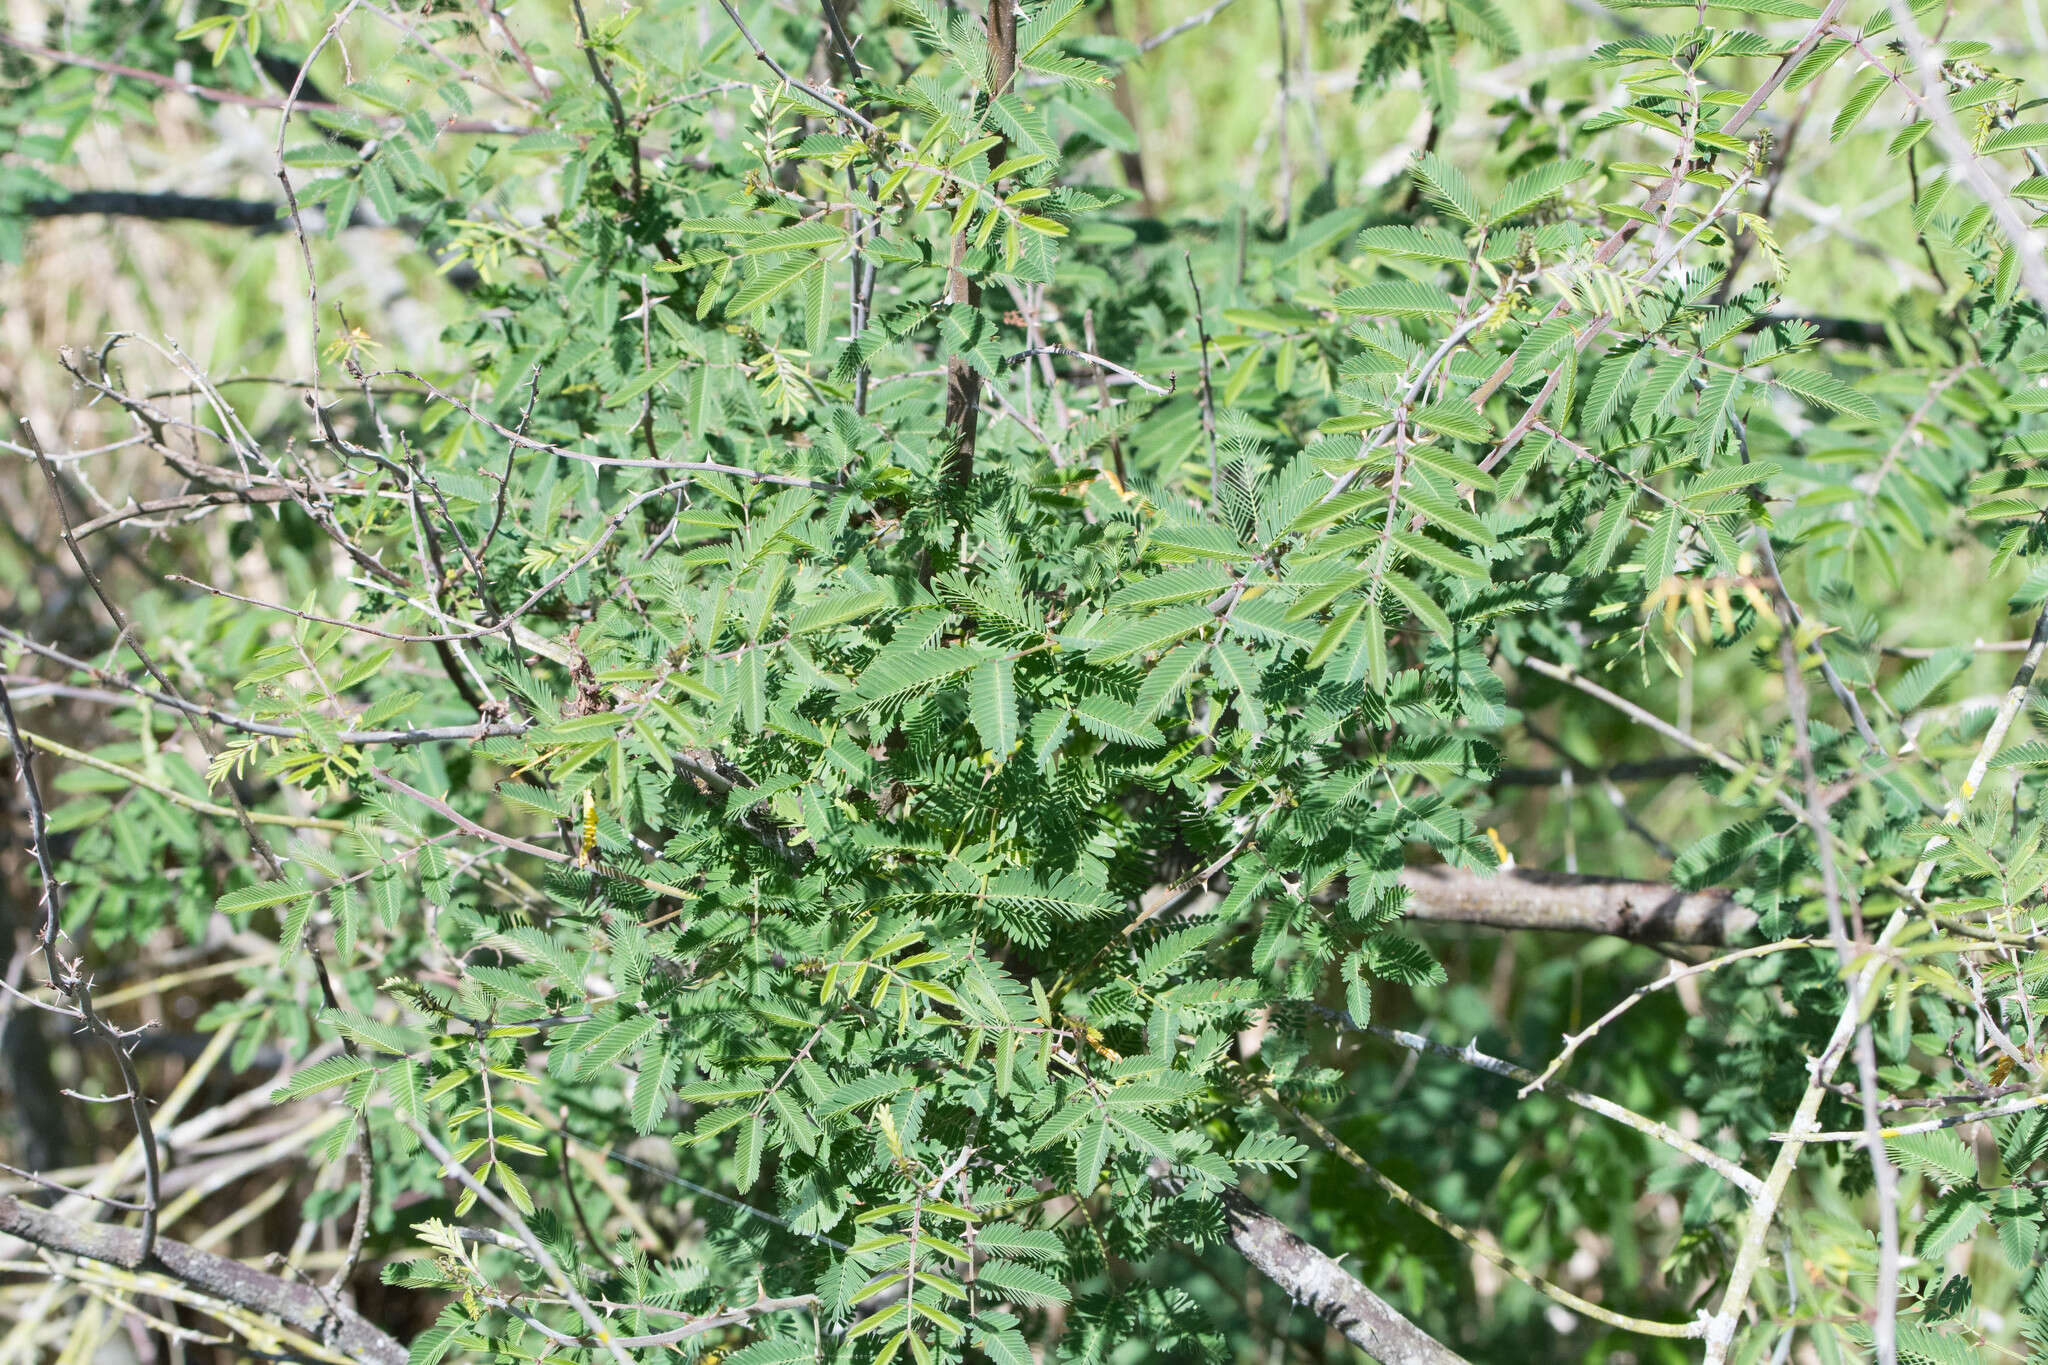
(937,833)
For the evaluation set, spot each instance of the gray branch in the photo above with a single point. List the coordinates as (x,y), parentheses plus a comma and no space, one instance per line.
(1325,1288)
(301,1307)
(1643,912)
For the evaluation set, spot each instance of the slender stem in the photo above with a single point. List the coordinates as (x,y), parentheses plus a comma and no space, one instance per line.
(68,980)
(783,75)
(1208,398)
(172,794)
(1996,1111)
(1481,1246)
(527,1242)
(1471,1056)
(1749,1256)
(1884,1333)
(1195,21)
(620,124)
(1573,1042)
(836,26)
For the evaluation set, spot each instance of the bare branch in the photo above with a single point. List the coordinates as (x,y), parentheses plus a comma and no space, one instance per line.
(1328,1290)
(70,980)
(1471,1056)
(1642,912)
(1167,35)
(301,1307)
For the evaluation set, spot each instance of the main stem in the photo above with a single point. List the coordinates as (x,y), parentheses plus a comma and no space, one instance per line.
(963,381)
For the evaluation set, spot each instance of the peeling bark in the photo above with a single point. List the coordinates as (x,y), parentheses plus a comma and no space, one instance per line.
(1643,912)
(301,1307)
(1325,1288)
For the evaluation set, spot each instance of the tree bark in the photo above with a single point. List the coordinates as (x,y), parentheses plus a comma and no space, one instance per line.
(1133,161)
(963,381)
(301,1307)
(1642,912)
(1329,1291)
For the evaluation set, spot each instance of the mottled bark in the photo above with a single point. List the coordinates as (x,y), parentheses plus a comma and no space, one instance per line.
(1643,912)
(963,382)
(1329,1291)
(301,1307)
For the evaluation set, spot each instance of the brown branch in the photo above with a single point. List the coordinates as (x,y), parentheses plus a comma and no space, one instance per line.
(1554,902)
(518,48)
(963,381)
(222,497)
(300,1307)
(1642,912)
(70,979)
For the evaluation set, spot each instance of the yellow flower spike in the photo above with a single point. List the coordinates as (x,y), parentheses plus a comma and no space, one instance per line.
(887,1121)
(1500,850)
(589,829)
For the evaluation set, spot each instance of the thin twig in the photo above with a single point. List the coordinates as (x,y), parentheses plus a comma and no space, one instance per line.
(1167,35)
(1208,399)
(1482,1246)
(1996,1111)
(1574,1041)
(844,45)
(1471,1056)
(1884,1333)
(527,1242)
(172,794)
(783,75)
(1055,348)
(1793,619)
